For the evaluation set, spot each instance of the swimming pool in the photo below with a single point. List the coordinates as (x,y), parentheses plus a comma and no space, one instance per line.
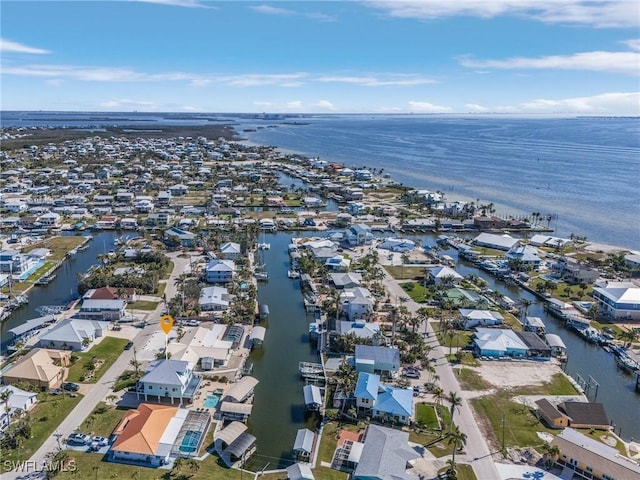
(212,400)
(190,441)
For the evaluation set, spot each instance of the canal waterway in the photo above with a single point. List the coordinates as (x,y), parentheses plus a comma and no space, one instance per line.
(62,289)
(280,409)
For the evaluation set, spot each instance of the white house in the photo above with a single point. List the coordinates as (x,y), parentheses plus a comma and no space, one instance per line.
(169,379)
(102,309)
(73,334)
(19,400)
(618,299)
(220,271)
(497,242)
(356,303)
(442,274)
(230,250)
(214,299)
(470,318)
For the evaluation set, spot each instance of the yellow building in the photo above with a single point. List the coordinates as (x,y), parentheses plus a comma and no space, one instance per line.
(587,458)
(41,367)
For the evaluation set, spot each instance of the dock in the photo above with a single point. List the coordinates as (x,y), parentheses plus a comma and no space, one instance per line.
(312,372)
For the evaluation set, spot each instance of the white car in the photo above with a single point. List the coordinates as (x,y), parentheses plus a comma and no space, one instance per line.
(101,441)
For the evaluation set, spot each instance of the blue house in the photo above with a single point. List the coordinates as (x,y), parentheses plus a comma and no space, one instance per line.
(384,402)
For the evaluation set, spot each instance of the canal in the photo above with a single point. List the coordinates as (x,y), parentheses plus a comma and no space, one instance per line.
(63,288)
(280,409)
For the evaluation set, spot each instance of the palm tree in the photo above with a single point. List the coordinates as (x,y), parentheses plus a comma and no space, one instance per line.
(4,397)
(438,395)
(456,439)
(551,454)
(451,469)
(524,304)
(454,402)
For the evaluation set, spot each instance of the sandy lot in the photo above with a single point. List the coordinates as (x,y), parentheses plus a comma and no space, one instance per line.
(515,374)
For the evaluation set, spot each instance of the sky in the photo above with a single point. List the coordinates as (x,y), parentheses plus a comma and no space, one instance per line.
(422,56)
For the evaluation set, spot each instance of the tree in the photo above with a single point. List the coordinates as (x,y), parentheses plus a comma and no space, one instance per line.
(136,365)
(4,397)
(456,440)
(524,304)
(454,402)
(551,454)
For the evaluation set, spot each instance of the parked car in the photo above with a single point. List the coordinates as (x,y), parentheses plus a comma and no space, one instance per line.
(78,439)
(70,386)
(410,373)
(101,441)
(128,346)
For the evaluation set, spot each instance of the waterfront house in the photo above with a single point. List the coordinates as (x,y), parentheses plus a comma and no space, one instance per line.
(235,412)
(111,293)
(619,300)
(230,250)
(443,275)
(312,397)
(159,219)
(102,309)
(345,280)
(366,392)
(41,367)
(497,242)
(550,415)
(220,271)
(356,303)
(19,401)
(214,299)
(206,347)
(558,348)
(107,222)
(376,359)
(586,415)
(385,454)
(303,445)
(589,458)
(536,348)
(541,240)
(49,219)
(383,401)
(492,342)
(169,380)
(180,237)
(471,318)
(129,223)
(151,435)
(527,256)
(359,328)
(337,263)
(401,245)
(571,271)
(233,443)
(489,223)
(73,334)
(241,390)
(12,261)
(359,234)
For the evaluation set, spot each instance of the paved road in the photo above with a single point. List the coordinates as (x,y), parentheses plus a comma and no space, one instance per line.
(100,390)
(476,448)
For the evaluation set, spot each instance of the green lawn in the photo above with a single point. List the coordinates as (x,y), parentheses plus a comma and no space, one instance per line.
(460,338)
(59,246)
(126,380)
(102,420)
(521,423)
(426,415)
(108,350)
(463,472)
(142,305)
(48,265)
(45,418)
(404,273)
(416,291)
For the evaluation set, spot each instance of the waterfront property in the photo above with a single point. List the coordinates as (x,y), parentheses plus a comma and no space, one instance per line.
(73,334)
(385,454)
(102,309)
(220,271)
(241,390)
(471,318)
(312,397)
(619,300)
(303,445)
(495,343)
(586,458)
(152,434)
(41,367)
(214,298)
(204,347)
(169,380)
(234,444)
(383,402)
(374,359)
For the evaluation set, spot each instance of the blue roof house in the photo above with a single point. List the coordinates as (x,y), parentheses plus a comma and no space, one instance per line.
(394,404)
(367,390)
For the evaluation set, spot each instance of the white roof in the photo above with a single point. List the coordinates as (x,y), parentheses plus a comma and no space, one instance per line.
(299,471)
(504,242)
(498,339)
(620,292)
(471,314)
(554,340)
(444,271)
(171,432)
(304,440)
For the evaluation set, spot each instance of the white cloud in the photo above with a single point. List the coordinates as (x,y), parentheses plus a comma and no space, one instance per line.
(296,105)
(128,104)
(613,62)
(270,10)
(179,3)
(253,80)
(602,13)
(474,107)
(618,103)
(402,80)
(325,105)
(7,46)
(633,44)
(426,107)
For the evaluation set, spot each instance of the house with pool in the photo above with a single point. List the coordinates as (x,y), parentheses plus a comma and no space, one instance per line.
(168,380)
(152,435)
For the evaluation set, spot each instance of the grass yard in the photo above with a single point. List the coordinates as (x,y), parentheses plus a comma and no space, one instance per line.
(48,265)
(126,380)
(102,420)
(404,273)
(426,416)
(107,351)
(471,380)
(142,305)
(417,292)
(59,246)
(463,472)
(45,418)
(521,423)
(460,338)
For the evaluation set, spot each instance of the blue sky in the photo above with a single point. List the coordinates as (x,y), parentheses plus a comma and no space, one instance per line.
(423,56)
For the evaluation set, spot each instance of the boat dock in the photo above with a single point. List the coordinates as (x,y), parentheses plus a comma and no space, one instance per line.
(312,372)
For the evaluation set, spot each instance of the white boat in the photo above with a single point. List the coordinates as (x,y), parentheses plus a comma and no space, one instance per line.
(262,276)
(293,274)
